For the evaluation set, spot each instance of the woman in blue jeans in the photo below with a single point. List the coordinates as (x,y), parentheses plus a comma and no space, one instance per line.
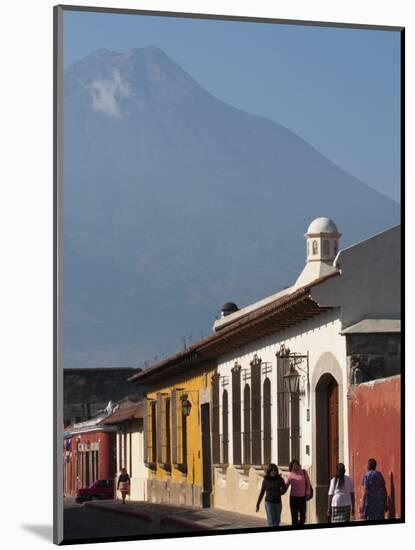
(273,486)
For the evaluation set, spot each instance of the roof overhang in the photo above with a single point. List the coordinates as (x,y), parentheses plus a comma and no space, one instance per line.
(373,326)
(78,431)
(123,415)
(278,315)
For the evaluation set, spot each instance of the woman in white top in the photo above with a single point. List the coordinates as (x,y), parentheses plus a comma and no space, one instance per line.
(341,497)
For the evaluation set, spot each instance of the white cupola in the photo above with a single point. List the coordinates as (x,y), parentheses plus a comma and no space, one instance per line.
(322,239)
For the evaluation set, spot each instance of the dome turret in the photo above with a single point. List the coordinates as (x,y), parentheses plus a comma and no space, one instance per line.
(322,225)
(228,308)
(322,240)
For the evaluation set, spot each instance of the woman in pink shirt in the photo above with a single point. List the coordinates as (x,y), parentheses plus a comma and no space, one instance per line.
(300,487)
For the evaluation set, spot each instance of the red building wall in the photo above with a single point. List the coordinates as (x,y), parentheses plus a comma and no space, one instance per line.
(106,455)
(375,432)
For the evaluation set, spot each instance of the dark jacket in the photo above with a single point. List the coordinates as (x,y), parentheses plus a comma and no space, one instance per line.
(123,477)
(273,487)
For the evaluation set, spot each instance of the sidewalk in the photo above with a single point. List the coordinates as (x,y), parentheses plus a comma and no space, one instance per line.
(186,517)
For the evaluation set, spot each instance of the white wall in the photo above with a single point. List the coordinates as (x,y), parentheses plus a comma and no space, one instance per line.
(136,469)
(374,296)
(315,336)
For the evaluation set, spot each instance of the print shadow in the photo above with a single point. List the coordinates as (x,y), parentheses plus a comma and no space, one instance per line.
(43,531)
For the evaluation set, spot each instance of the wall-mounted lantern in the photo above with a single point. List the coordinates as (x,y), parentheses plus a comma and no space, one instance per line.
(292,379)
(186,406)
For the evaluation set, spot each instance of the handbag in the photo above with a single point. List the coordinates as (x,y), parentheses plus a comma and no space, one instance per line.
(310,494)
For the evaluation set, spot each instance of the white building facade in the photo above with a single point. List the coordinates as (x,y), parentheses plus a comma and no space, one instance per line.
(129,448)
(260,421)
(285,438)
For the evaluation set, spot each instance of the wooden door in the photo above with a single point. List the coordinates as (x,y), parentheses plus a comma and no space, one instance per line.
(87,470)
(206,455)
(333,426)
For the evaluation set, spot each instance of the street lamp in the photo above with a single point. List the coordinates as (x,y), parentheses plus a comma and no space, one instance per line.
(186,406)
(292,380)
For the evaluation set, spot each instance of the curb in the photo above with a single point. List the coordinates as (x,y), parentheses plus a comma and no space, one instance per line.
(133,513)
(182,522)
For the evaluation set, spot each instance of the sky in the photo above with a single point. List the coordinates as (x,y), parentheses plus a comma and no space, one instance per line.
(337,88)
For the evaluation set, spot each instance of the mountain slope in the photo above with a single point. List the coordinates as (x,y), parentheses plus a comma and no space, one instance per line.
(175,202)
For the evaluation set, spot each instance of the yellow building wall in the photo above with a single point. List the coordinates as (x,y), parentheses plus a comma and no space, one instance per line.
(191,385)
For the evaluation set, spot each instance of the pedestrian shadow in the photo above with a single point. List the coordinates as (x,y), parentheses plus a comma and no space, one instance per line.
(43,531)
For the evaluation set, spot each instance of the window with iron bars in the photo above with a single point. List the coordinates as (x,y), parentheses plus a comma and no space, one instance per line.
(247,425)
(179,430)
(266,411)
(215,420)
(150,435)
(283,423)
(225,430)
(165,433)
(288,409)
(256,428)
(236,415)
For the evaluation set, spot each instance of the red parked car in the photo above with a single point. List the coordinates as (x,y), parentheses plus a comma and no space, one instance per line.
(99,490)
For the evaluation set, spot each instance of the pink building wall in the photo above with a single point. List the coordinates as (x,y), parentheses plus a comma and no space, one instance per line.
(375,432)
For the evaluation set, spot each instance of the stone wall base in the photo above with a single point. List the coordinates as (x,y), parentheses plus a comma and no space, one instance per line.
(237,490)
(170,492)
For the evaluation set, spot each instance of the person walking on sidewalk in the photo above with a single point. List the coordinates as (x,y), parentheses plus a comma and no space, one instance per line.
(123,484)
(300,487)
(273,486)
(375,499)
(341,502)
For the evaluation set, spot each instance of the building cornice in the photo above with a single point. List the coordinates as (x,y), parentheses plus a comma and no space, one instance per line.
(273,317)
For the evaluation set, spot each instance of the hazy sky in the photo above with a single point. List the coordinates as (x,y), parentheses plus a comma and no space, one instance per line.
(339,89)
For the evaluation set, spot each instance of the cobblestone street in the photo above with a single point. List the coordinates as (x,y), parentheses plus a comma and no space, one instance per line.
(112,519)
(87,522)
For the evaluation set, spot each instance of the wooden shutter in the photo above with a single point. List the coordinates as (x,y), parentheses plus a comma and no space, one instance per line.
(153,433)
(159,429)
(173,408)
(295,426)
(145,434)
(184,441)
(283,426)
(256,412)
(163,431)
(168,434)
(215,420)
(225,431)
(236,414)
(267,420)
(179,426)
(247,424)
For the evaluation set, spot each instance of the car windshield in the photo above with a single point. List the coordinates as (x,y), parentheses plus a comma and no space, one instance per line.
(101,483)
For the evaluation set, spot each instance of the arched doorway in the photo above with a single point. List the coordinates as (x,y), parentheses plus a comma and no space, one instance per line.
(327,439)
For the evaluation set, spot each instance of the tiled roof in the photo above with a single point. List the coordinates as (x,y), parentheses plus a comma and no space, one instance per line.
(125,413)
(277,315)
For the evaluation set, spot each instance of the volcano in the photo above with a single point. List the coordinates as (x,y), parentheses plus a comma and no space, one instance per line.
(176,202)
